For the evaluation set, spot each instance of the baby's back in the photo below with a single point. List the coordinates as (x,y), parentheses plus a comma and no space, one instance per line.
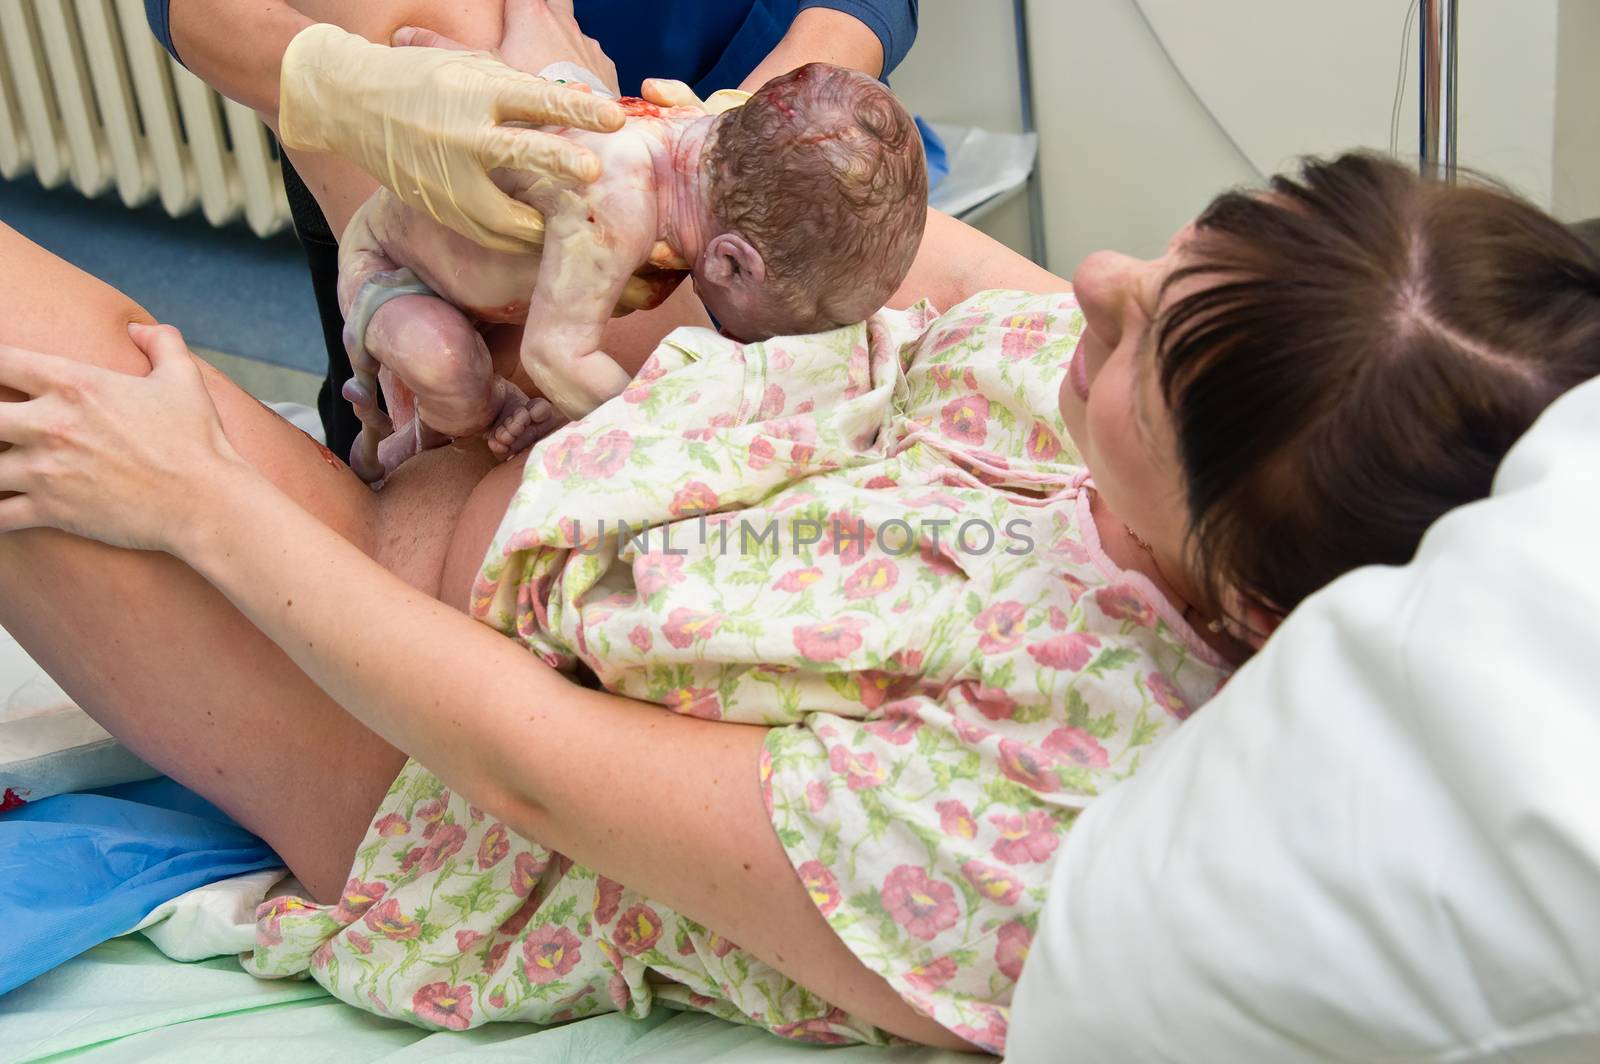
(495,286)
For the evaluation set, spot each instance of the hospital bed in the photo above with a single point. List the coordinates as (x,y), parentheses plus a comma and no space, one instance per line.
(126,1001)
(1379,842)
(107,859)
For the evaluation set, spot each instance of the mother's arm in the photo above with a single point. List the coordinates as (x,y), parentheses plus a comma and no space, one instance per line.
(955,262)
(670,805)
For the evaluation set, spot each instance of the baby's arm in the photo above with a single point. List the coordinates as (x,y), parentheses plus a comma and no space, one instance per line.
(586,266)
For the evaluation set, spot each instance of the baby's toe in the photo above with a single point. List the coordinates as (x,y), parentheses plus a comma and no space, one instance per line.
(503,437)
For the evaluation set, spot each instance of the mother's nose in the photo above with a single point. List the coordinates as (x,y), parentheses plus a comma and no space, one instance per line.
(1102,285)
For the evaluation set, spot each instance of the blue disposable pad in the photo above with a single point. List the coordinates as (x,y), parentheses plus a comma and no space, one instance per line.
(78,869)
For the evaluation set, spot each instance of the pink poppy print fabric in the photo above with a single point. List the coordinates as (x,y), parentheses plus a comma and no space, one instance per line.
(449,921)
(876,541)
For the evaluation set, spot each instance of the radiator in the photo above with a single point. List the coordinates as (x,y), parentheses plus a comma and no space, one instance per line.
(88,97)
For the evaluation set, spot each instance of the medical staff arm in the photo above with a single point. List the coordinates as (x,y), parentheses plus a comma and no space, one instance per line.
(893,21)
(427,124)
(822,35)
(235,46)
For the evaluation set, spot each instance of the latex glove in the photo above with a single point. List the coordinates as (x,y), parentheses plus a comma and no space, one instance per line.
(428,123)
(665,92)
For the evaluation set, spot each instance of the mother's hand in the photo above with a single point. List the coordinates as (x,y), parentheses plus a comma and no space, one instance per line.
(109,456)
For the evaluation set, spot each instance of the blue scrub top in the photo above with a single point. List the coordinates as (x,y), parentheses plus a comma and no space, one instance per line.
(715,44)
(710,44)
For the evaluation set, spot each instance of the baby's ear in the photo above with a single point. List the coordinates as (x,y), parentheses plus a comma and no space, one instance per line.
(730,261)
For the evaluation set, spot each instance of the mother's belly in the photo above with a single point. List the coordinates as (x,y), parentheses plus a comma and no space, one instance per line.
(474,531)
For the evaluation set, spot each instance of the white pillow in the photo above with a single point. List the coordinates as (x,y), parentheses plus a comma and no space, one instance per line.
(1382,840)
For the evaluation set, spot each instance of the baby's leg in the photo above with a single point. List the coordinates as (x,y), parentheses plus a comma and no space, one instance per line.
(432,352)
(431,404)
(363,264)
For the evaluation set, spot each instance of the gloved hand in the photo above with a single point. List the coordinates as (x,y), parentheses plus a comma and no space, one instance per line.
(427,123)
(665,92)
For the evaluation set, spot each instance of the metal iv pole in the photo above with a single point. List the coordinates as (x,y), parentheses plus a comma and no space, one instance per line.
(1019,15)
(1437,60)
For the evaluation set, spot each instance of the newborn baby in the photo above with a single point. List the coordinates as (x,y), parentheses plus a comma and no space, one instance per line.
(798,212)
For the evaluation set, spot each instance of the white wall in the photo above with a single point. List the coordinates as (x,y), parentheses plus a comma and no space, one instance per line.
(1575,191)
(1146,109)
(963,69)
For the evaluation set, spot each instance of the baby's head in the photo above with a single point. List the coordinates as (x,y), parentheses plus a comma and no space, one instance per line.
(817,192)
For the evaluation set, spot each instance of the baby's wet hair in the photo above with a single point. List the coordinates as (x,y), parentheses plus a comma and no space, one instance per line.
(822,172)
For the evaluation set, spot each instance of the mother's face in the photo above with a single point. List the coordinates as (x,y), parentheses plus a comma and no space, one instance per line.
(1111,398)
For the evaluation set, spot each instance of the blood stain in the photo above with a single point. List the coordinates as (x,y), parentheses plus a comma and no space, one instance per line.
(634,107)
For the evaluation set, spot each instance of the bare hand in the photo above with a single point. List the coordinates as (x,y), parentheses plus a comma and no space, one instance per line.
(536,34)
(109,456)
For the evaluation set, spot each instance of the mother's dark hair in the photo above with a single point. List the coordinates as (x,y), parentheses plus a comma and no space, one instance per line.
(1366,347)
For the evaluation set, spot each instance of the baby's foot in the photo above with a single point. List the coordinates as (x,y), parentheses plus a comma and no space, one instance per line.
(519,425)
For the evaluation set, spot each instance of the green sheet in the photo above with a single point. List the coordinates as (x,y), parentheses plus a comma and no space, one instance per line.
(125,1001)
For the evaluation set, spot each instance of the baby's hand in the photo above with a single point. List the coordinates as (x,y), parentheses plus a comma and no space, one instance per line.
(576,384)
(665,92)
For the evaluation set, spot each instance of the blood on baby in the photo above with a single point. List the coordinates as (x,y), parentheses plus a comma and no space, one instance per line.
(634,107)
(505,314)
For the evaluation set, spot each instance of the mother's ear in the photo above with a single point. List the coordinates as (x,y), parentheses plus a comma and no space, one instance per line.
(1247,620)
(730,261)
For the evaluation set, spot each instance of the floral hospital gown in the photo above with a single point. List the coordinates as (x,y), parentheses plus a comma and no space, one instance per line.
(876,540)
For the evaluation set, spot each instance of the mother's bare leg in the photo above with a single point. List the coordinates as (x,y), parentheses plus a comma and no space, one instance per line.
(160,658)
